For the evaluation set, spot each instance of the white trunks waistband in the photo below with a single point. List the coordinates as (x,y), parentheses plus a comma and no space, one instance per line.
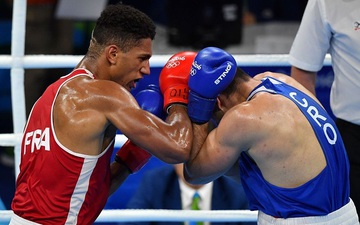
(346,215)
(17,220)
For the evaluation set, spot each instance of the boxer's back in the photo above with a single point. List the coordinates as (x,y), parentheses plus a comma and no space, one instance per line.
(298,155)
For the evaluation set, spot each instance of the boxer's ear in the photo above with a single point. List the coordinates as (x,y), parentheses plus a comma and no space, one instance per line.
(219,104)
(112,52)
(218,112)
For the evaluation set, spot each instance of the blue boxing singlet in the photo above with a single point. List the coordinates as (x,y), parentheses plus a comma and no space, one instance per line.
(326,192)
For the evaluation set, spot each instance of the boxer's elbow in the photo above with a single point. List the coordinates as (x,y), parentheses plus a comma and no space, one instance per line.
(177,153)
(182,152)
(194,179)
(179,150)
(189,176)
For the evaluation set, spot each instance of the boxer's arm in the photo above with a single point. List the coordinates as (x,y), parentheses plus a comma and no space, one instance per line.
(128,160)
(216,154)
(168,140)
(130,155)
(119,173)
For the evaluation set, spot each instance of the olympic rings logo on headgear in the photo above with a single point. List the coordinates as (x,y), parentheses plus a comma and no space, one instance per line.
(172,64)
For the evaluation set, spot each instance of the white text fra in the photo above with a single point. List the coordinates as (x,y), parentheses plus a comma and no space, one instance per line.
(37,139)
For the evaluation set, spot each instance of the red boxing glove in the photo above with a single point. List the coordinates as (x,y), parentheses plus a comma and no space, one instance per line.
(132,156)
(173,79)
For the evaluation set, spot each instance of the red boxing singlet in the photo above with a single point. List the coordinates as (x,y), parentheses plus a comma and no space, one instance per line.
(56,185)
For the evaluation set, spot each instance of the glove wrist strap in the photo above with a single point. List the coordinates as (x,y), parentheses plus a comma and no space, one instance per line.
(132,156)
(200,109)
(176,94)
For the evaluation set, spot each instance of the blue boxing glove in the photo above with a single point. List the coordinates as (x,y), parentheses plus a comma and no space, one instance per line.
(212,71)
(151,100)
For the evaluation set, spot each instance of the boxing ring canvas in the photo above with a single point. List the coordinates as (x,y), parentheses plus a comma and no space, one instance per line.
(17,62)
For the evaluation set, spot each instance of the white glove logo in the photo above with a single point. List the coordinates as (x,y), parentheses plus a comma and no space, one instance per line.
(223,75)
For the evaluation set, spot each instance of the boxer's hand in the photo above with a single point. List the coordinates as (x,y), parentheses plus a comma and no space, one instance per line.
(132,156)
(173,79)
(212,71)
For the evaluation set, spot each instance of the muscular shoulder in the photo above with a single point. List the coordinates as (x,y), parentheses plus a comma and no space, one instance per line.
(85,108)
(279,76)
(259,119)
(89,93)
(85,84)
(286,79)
(240,126)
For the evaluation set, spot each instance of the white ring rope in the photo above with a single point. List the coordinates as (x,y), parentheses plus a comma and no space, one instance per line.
(126,215)
(69,61)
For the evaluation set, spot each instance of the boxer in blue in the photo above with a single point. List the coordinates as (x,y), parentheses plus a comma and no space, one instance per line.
(273,136)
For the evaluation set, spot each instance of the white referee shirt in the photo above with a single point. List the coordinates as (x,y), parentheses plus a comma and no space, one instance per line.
(187,194)
(332,26)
